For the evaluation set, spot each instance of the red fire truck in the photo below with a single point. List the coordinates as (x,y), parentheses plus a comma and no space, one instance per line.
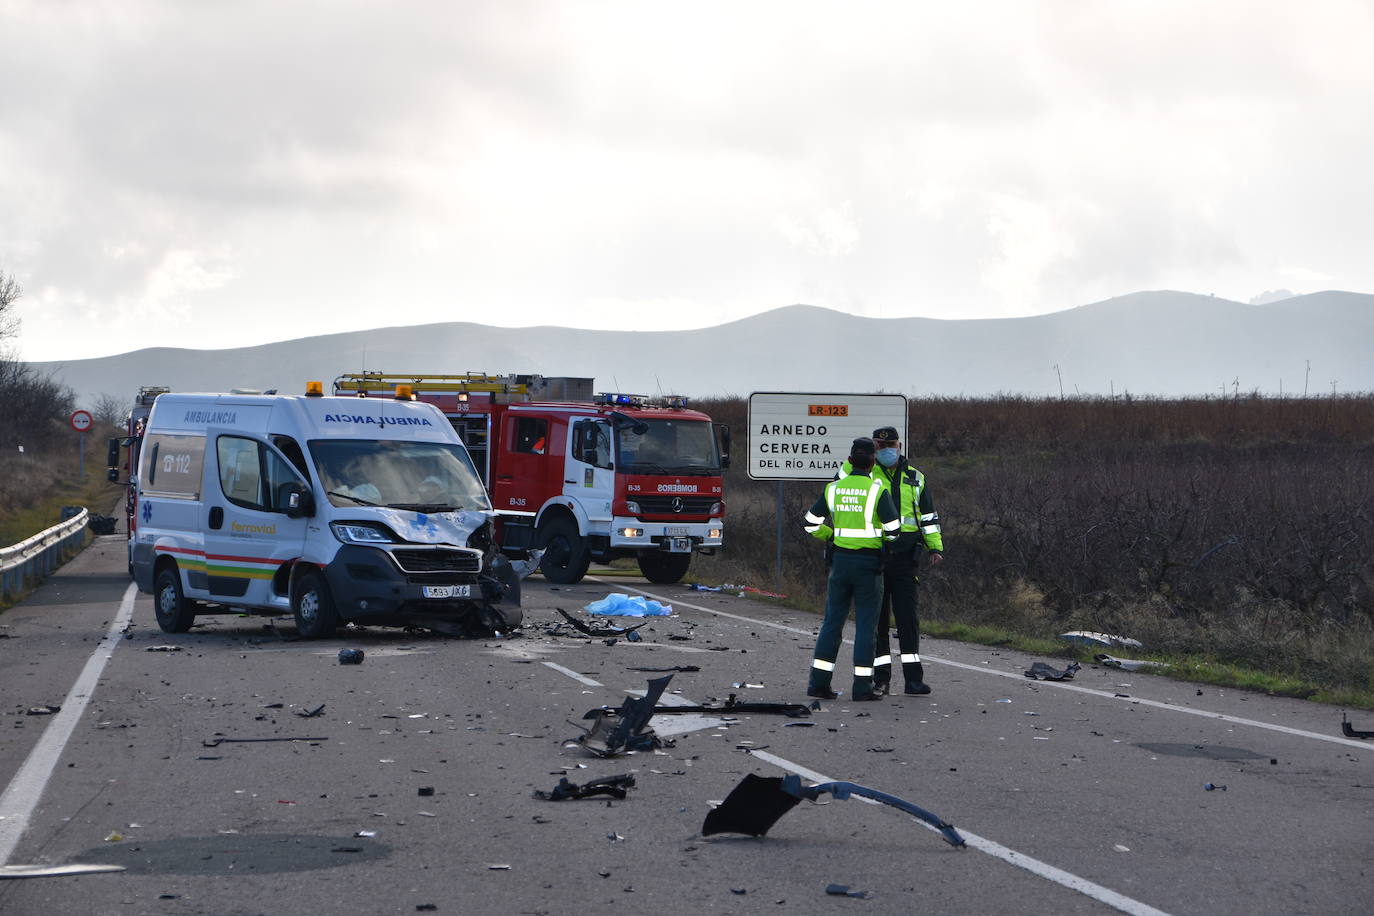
(583,476)
(121,461)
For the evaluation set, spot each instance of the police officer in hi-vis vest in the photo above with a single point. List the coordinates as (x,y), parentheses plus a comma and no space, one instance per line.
(862,515)
(920,530)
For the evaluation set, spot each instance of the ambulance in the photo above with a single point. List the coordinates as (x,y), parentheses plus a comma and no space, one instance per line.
(334,510)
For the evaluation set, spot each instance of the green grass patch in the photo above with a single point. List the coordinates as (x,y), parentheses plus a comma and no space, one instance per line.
(95,494)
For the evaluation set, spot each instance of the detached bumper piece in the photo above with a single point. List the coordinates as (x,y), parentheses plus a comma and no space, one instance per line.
(755,805)
(614,786)
(733,707)
(615,732)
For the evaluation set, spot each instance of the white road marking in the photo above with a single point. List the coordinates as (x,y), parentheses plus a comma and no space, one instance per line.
(26,788)
(1010,856)
(1035,866)
(580,678)
(1060,685)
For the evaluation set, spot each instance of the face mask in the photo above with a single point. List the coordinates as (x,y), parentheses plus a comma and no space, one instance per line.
(887,457)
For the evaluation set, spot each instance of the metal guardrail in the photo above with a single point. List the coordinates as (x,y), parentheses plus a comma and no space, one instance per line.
(29,562)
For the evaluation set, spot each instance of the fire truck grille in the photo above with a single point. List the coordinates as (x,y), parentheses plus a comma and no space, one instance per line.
(662,504)
(438,560)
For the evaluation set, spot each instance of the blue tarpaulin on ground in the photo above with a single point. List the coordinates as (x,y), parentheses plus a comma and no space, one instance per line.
(618,605)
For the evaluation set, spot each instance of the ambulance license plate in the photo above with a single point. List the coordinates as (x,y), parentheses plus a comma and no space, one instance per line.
(675,532)
(448,591)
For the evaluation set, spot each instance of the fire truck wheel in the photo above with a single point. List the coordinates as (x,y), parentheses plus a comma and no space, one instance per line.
(566,557)
(664,568)
(174,613)
(313,607)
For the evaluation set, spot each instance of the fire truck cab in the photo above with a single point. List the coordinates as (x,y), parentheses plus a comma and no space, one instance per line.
(118,459)
(583,476)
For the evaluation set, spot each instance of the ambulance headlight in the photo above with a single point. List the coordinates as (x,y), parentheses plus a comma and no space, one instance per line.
(351,533)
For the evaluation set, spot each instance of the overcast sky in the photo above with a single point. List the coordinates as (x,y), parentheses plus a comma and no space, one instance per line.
(215,174)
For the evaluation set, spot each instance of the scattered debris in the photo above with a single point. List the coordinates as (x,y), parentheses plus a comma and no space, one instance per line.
(620,605)
(1128,664)
(614,786)
(44,710)
(687,668)
(310,713)
(599,631)
(350,656)
(1099,639)
(614,732)
(755,805)
(218,740)
(1044,672)
(733,707)
(1213,787)
(53,871)
(842,890)
(425,791)
(1350,731)
(164,649)
(740,685)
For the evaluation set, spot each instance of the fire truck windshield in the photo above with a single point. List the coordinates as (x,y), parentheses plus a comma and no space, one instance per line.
(667,447)
(423,476)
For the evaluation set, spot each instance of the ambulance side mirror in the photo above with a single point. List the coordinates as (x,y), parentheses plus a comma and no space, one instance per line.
(294,498)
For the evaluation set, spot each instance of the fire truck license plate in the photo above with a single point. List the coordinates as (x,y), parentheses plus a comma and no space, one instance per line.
(675,532)
(448,591)
(679,545)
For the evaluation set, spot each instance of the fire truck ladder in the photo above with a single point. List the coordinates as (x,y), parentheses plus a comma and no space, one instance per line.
(366,383)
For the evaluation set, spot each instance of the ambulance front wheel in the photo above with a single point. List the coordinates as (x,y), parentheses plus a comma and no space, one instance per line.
(313,607)
(174,613)
(664,568)
(566,556)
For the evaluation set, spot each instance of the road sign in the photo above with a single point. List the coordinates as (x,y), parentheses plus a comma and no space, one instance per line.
(801,436)
(81,420)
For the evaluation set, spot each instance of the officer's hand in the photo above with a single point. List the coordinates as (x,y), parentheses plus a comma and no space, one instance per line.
(936,559)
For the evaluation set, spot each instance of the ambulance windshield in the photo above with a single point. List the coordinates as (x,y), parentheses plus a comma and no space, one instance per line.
(667,447)
(422,476)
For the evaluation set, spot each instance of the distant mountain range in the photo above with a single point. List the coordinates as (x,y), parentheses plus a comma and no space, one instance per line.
(1149,343)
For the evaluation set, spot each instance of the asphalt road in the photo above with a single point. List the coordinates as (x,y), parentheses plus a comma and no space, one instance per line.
(1084,796)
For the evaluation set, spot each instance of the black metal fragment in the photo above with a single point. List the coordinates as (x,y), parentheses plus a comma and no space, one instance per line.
(310,713)
(674,668)
(614,786)
(842,890)
(733,707)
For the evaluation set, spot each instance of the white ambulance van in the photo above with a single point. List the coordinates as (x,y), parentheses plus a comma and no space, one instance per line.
(332,509)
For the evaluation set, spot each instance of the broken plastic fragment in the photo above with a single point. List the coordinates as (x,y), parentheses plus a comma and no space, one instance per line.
(1127,664)
(599,631)
(351,656)
(1099,639)
(1351,732)
(755,805)
(614,786)
(842,890)
(615,731)
(1043,671)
